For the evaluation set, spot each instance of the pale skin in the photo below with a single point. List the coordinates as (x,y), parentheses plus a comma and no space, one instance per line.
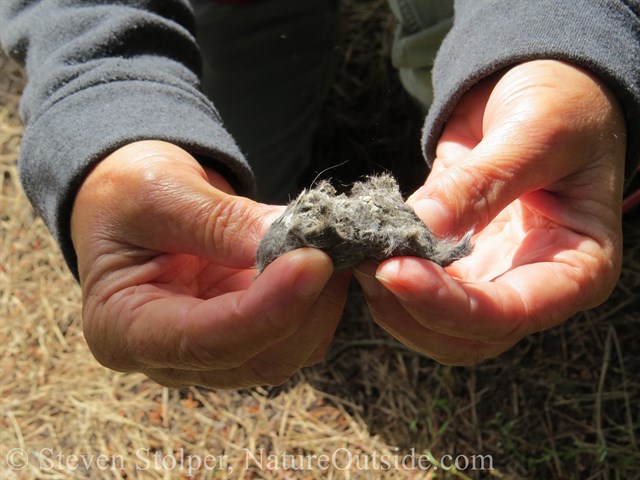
(532,159)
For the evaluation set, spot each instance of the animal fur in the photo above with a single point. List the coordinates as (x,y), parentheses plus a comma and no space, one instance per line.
(372,223)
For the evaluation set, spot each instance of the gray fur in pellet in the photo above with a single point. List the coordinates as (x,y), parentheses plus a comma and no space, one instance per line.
(372,223)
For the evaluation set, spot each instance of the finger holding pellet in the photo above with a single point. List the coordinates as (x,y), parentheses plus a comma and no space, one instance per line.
(172,330)
(396,319)
(313,328)
(482,311)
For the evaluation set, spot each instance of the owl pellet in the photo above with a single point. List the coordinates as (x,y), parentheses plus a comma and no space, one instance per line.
(371,223)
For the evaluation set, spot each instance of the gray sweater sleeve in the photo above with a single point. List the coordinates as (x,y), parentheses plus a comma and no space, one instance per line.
(602,36)
(102,75)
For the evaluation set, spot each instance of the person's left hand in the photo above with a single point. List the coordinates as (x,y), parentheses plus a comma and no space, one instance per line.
(533,161)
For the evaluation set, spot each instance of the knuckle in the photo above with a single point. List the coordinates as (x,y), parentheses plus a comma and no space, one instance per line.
(167,379)
(145,180)
(104,351)
(113,360)
(143,188)
(604,282)
(595,274)
(227,224)
(476,188)
(219,224)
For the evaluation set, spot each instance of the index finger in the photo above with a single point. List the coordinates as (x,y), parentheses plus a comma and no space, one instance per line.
(154,326)
(524,300)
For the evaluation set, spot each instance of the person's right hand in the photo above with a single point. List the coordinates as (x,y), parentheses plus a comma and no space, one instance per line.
(166,255)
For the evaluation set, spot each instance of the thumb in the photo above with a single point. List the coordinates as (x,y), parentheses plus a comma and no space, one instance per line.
(469,193)
(512,159)
(542,121)
(155,196)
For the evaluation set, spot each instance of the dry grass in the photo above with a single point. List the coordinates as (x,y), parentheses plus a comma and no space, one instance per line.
(561,404)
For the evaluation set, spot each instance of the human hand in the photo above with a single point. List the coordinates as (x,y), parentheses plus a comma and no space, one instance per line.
(533,161)
(165,255)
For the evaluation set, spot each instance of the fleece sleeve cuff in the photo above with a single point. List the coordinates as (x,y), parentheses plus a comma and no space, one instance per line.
(61,145)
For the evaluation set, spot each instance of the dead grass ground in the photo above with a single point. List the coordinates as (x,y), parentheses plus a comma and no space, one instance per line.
(562,404)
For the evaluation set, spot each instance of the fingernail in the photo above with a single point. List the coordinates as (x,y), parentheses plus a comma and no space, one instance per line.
(388,270)
(385,276)
(369,284)
(310,282)
(433,214)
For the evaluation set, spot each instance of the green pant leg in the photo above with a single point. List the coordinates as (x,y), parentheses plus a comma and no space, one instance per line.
(268,67)
(422,25)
